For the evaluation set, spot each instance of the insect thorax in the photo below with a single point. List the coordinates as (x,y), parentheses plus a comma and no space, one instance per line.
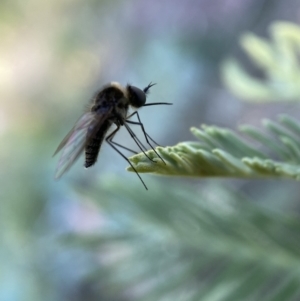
(111,98)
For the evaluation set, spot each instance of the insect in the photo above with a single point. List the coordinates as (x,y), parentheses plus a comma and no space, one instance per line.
(109,106)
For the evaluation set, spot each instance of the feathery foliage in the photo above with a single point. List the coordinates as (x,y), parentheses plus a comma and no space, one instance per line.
(278,59)
(222,153)
(169,245)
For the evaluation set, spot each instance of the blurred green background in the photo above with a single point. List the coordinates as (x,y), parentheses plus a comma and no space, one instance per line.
(53,56)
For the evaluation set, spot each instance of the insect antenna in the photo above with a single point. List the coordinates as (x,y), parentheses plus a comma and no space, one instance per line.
(146,90)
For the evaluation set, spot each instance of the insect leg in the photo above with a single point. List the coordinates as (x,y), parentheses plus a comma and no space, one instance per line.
(144,132)
(135,138)
(122,146)
(137,141)
(111,143)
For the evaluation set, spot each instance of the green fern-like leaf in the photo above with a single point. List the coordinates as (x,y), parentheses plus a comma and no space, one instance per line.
(279,61)
(222,153)
(182,244)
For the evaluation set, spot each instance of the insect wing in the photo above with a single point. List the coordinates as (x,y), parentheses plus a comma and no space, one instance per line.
(73,144)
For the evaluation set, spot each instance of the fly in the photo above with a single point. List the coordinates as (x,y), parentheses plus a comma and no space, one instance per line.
(109,106)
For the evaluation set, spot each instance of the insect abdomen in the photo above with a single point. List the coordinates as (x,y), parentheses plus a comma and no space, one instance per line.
(94,143)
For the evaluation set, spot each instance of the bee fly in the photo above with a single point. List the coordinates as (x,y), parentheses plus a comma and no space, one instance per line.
(109,106)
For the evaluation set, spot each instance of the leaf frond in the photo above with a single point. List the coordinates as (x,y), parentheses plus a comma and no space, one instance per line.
(220,246)
(221,152)
(278,59)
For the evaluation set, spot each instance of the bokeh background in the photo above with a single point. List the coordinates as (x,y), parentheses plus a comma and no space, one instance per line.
(53,56)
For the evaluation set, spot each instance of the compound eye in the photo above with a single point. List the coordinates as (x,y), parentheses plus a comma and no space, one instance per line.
(137,96)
